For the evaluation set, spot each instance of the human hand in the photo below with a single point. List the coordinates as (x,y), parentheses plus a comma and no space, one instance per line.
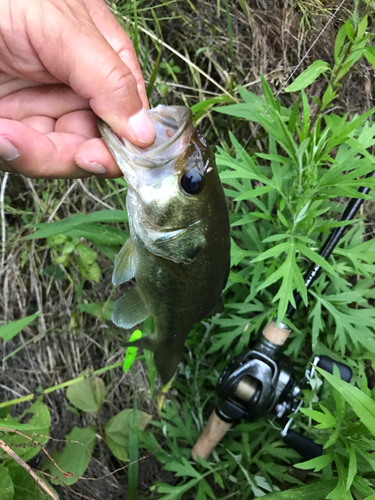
(61,64)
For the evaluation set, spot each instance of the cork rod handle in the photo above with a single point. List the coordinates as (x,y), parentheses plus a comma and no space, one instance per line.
(212,434)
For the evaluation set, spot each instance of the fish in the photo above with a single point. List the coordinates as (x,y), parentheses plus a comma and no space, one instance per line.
(179,245)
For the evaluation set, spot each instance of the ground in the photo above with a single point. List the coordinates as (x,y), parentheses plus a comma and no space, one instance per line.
(269,37)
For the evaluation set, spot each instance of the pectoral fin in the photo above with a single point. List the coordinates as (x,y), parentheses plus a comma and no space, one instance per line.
(125,263)
(130,310)
(181,246)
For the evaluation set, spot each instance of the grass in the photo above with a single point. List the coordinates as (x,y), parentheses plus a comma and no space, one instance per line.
(189,56)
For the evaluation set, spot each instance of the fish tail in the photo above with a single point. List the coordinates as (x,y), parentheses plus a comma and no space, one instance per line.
(166,356)
(166,361)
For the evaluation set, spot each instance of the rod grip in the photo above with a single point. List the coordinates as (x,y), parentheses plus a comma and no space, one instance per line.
(327,364)
(212,434)
(303,445)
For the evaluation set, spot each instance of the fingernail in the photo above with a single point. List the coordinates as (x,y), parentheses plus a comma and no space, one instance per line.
(8,152)
(142,127)
(91,166)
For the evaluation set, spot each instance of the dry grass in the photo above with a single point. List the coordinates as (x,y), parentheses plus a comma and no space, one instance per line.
(269,37)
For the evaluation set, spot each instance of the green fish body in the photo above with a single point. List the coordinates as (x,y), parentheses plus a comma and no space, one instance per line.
(179,245)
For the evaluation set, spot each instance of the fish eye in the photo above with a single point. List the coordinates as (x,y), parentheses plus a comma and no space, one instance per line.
(192,182)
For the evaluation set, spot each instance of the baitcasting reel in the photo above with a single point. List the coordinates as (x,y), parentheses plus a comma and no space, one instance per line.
(261,382)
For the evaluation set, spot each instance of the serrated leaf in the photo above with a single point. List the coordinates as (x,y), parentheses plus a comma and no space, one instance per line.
(74,458)
(317,463)
(87,395)
(315,257)
(312,491)
(363,405)
(274,251)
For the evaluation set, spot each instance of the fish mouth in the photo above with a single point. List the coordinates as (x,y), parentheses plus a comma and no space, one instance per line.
(173,126)
(170,123)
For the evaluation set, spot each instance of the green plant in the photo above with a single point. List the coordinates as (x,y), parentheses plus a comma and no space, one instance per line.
(283,204)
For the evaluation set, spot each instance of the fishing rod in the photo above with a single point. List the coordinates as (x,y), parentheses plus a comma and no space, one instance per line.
(260,381)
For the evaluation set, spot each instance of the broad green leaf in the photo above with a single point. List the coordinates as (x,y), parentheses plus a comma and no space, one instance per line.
(75,457)
(7,332)
(25,487)
(62,227)
(6,484)
(308,76)
(87,395)
(363,405)
(101,310)
(117,431)
(39,423)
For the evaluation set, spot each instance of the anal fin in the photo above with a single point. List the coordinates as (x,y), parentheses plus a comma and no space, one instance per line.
(130,310)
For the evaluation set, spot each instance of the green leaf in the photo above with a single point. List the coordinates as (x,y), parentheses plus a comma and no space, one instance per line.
(363,406)
(75,457)
(62,227)
(317,463)
(87,395)
(315,257)
(236,278)
(6,484)
(340,38)
(370,55)
(39,423)
(117,431)
(312,491)
(101,310)
(131,351)
(274,251)
(352,467)
(308,76)
(25,487)
(99,233)
(7,332)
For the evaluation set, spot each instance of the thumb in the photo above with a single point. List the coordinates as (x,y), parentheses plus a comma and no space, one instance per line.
(92,68)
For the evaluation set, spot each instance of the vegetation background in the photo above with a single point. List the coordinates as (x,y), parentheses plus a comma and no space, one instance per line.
(198,53)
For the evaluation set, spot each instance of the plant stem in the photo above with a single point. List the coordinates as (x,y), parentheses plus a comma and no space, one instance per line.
(54,388)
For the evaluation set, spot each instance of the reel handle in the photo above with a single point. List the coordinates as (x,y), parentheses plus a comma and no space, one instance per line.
(212,434)
(303,445)
(327,363)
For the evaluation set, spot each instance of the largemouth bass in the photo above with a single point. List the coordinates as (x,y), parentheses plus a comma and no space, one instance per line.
(179,246)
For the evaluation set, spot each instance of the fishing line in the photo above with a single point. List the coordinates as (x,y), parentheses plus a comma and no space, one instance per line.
(294,71)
